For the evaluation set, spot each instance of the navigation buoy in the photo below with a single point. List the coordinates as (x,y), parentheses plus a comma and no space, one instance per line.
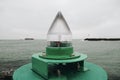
(60,61)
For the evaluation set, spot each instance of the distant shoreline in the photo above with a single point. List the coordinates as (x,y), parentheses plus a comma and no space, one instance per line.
(29,39)
(102,39)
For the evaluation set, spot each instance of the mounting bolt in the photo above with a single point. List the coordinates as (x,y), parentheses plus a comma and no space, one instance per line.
(72,55)
(78,66)
(43,54)
(58,72)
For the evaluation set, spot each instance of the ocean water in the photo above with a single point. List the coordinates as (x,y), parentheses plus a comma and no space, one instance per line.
(14,53)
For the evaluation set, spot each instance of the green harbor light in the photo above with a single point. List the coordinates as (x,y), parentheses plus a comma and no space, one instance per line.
(59,61)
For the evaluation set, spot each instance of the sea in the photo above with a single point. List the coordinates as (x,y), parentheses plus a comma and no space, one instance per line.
(15,53)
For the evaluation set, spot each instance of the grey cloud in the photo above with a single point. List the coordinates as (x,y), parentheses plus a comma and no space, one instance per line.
(32,18)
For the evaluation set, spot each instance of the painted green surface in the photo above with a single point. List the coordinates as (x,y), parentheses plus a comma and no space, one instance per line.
(59,57)
(59,52)
(42,65)
(95,73)
(82,57)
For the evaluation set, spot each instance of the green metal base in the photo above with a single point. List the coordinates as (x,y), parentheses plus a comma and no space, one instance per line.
(60,57)
(95,73)
(48,68)
(59,53)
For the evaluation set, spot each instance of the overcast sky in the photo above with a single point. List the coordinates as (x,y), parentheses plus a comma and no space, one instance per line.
(32,18)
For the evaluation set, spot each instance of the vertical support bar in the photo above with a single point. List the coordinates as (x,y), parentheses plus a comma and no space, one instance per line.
(40,67)
(81,65)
